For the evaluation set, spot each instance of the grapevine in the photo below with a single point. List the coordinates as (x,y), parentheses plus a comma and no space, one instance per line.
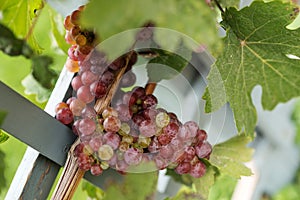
(121,128)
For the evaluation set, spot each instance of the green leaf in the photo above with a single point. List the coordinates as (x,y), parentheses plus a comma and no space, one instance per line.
(229,157)
(3,181)
(223,188)
(192,18)
(42,72)
(2,116)
(11,45)
(92,191)
(19,15)
(167,65)
(3,136)
(135,187)
(257,52)
(33,87)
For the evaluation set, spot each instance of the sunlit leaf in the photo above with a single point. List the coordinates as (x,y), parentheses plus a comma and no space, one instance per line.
(229,157)
(258,49)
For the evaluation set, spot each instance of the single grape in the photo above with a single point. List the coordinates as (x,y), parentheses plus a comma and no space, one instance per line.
(190,153)
(171,130)
(132,156)
(80,40)
(84,162)
(71,65)
(183,168)
(65,116)
(84,94)
(96,170)
(95,143)
(78,149)
(147,128)
(129,99)
(87,126)
(198,170)
(88,112)
(128,79)
(124,129)
(75,17)
(123,146)
(164,139)
(76,82)
(128,139)
(105,152)
(76,107)
(112,139)
(109,111)
(107,77)
(150,113)
(139,91)
(67,23)
(162,119)
(88,77)
(98,89)
(112,124)
(149,101)
(203,150)
(60,106)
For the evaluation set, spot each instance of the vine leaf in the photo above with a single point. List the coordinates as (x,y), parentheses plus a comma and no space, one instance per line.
(42,72)
(18,15)
(258,51)
(228,157)
(33,87)
(137,186)
(167,65)
(3,181)
(92,191)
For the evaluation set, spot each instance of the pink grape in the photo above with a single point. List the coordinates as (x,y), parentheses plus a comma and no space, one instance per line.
(147,128)
(198,170)
(85,95)
(76,83)
(183,168)
(87,126)
(112,124)
(203,150)
(112,139)
(96,170)
(88,77)
(65,116)
(132,156)
(76,107)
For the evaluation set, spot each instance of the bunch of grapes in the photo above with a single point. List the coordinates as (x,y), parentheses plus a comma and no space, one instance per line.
(132,129)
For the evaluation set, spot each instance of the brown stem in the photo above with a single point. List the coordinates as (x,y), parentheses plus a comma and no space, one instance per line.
(150,87)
